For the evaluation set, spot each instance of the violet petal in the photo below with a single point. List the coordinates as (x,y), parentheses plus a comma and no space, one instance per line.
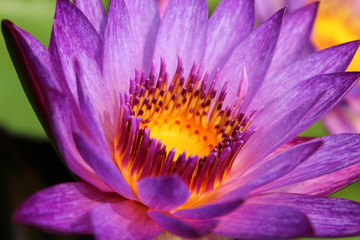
(255,221)
(268,171)
(95,13)
(326,184)
(118,38)
(186,228)
(62,121)
(295,33)
(255,54)
(104,166)
(145,21)
(182,32)
(162,193)
(337,152)
(333,59)
(64,208)
(123,220)
(79,27)
(230,23)
(329,217)
(31,60)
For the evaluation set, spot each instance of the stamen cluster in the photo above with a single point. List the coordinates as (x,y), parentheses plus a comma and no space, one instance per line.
(156,106)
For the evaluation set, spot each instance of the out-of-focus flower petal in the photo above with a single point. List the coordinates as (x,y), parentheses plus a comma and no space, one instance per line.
(103,165)
(329,217)
(145,20)
(337,121)
(186,228)
(182,32)
(123,220)
(226,30)
(95,13)
(162,193)
(63,208)
(255,221)
(119,38)
(255,54)
(295,33)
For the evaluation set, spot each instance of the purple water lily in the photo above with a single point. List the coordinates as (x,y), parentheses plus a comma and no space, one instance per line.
(186,125)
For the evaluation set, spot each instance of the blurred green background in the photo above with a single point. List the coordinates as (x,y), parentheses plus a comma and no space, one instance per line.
(19,125)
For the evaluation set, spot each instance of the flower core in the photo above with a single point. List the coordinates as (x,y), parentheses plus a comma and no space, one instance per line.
(180,129)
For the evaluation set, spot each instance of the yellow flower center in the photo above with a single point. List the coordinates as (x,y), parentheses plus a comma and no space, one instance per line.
(180,129)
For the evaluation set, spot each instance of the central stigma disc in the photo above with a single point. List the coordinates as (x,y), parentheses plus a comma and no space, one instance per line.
(183,135)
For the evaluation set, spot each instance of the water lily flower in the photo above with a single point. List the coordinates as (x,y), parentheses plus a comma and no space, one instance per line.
(336,22)
(186,125)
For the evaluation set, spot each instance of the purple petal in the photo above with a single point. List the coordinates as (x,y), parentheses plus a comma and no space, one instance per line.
(95,13)
(31,60)
(91,76)
(255,221)
(182,32)
(270,136)
(186,228)
(337,152)
(334,59)
(329,217)
(326,184)
(329,87)
(62,122)
(292,143)
(268,171)
(123,220)
(218,208)
(145,20)
(295,33)
(104,166)
(337,85)
(64,208)
(90,115)
(255,54)
(120,52)
(79,26)
(231,22)
(163,193)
